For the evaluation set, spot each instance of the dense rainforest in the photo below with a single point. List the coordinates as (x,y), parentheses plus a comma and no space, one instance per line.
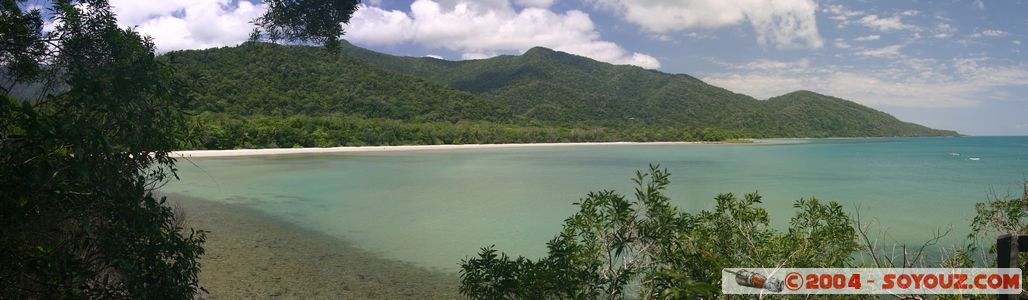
(88,118)
(267,95)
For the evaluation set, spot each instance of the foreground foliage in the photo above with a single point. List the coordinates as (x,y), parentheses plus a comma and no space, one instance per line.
(1000,216)
(88,139)
(614,247)
(77,166)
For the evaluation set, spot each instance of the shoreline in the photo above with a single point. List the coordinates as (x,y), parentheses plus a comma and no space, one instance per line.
(249,254)
(371,149)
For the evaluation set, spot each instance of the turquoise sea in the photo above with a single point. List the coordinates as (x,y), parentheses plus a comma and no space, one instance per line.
(434,208)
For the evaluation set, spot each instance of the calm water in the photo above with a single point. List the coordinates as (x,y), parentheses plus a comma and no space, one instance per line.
(435,207)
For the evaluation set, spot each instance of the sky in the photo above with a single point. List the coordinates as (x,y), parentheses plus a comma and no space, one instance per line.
(959,65)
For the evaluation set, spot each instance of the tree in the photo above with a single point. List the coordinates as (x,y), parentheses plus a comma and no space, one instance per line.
(79,163)
(999,216)
(78,166)
(22,43)
(612,243)
(318,21)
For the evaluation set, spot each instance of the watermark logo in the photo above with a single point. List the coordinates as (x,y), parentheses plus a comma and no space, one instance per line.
(871,281)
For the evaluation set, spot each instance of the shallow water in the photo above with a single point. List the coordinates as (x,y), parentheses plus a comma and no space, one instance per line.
(434,208)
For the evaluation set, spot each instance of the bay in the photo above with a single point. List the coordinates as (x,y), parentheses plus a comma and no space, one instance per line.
(436,207)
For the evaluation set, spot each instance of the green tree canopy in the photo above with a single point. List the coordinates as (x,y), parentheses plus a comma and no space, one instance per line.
(613,243)
(317,21)
(78,163)
(22,42)
(78,167)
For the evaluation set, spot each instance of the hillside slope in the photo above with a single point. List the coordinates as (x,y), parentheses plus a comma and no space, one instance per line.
(266,95)
(268,79)
(555,87)
(822,116)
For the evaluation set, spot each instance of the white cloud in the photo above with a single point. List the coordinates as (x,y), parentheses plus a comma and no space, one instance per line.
(485,29)
(906,83)
(884,52)
(434,56)
(776,65)
(189,24)
(701,36)
(842,15)
(885,24)
(990,33)
(841,44)
(535,3)
(910,13)
(785,24)
(661,37)
(379,27)
(944,30)
(873,37)
(476,55)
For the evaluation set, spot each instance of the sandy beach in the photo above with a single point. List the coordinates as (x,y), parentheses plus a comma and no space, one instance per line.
(280,151)
(250,255)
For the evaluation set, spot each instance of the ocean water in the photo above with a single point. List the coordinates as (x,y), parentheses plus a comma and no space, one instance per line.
(434,208)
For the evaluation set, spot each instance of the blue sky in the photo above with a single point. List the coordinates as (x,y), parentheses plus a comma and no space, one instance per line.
(947,64)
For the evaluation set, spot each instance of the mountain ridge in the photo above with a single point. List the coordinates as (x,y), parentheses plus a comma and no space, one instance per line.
(262,94)
(648,86)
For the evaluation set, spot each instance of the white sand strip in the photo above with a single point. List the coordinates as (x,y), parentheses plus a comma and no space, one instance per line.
(280,151)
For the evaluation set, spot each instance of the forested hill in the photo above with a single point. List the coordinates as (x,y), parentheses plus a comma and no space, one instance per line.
(261,95)
(268,79)
(550,85)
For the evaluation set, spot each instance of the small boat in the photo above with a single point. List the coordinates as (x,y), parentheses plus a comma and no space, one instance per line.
(954,154)
(975,158)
